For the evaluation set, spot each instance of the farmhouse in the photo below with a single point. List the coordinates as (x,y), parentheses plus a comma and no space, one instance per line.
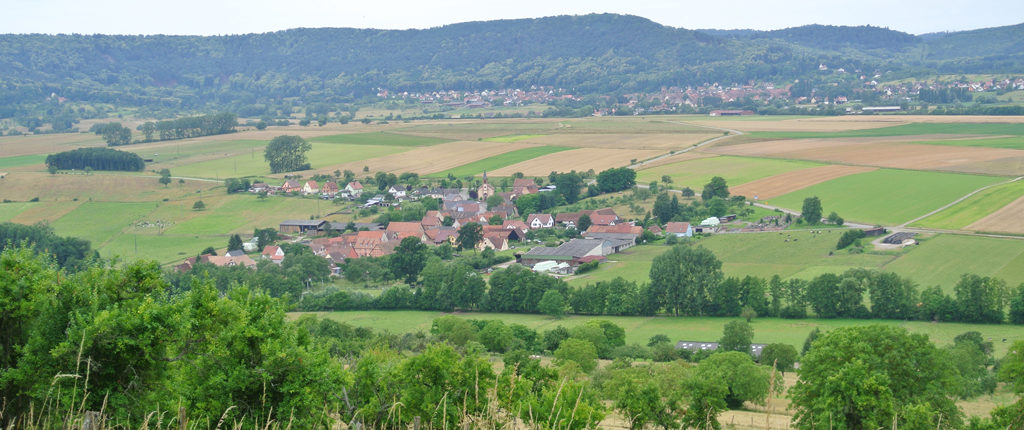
(310,187)
(291,186)
(536,221)
(302,226)
(401,230)
(679,229)
(329,189)
(523,186)
(273,253)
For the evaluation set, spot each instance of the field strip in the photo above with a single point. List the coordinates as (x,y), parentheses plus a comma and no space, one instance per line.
(784,183)
(1009,218)
(967,197)
(711,141)
(581,160)
(430,159)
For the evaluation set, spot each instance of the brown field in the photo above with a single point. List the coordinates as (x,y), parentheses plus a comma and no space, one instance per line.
(955,119)
(774,186)
(1009,219)
(45,211)
(435,158)
(665,142)
(23,186)
(884,152)
(577,159)
(692,155)
(13,146)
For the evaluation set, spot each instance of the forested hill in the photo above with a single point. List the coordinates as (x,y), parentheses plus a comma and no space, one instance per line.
(588,54)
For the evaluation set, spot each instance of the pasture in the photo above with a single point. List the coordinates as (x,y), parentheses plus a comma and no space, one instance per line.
(986,203)
(942,259)
(887,197)
(736,170)
(640,329)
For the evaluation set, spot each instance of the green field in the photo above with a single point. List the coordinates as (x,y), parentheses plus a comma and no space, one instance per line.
(999,142)
(995,129)
(100,221)
(489,129)
(886,196)
(803,254)
(252,164)
(175,153)
(942,259)
(640,329)
(21,160)
(974,208)
(735,170)
(501,160)
(379,138)
(10,210)
(512,138)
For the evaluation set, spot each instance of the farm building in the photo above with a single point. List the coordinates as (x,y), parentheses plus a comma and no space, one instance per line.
(902,238)
(872,232)
(617,241)
(697,346)
(570,252)
(302,226)
(679,229)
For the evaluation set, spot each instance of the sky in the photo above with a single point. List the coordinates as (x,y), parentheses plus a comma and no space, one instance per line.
(217,17)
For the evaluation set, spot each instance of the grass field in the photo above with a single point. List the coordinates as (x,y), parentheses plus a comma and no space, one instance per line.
(21,160)
(100,221)
(886,196)
(640,329)
(941,260)
(379,138)
(974,208)
(501,160)
(802,254)
(735,170)
(995,129)
(10,210)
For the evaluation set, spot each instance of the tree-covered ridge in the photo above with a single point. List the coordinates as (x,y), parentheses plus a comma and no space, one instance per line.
(590,54)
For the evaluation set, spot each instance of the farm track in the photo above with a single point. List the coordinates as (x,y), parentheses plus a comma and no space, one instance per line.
(732,133)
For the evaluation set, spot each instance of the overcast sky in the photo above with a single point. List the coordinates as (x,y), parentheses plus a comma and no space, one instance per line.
(210,17)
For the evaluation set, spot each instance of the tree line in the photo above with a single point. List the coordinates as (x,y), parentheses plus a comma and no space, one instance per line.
(96,159)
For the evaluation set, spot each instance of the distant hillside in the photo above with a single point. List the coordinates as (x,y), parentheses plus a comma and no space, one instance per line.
(592,54)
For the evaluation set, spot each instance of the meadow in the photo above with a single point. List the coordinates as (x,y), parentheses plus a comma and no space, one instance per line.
(942,259)
(735,170)
(999,142)
(640,329)
(974,208)
(886,196)
(379,138)
(322,156)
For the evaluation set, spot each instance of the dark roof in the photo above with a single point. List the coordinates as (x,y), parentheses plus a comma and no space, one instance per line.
(235,253)
(303,222)
(898,238)
(575,248)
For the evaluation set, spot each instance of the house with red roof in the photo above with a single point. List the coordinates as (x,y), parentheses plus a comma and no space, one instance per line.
(273,253)
(310,187)
(679,229)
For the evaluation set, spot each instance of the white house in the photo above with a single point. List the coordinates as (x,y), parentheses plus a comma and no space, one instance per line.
(398,192)
(310,187)
(535,221)
(354,189)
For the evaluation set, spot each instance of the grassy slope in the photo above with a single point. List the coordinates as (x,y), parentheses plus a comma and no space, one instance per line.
(640,329)
(941,260)
(974,208)
(501,160)
(886,196)
(735,170)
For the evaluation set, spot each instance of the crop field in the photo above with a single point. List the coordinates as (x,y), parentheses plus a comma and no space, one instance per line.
(1016,142)
(432,159)
(966,126)
(888,197)
(735,170)
(379,138)
(791,124)
(13,146)
(664,142)
(979,206)
(252,163)
(473,130)
(892,152)
(577,159)
(941,260)
(22,161)
(10,210)
(501,160)
(1009,218)
(783,183)
(640,329)
(512,138)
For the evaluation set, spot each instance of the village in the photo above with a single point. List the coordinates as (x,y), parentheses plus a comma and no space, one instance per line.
(590,236)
